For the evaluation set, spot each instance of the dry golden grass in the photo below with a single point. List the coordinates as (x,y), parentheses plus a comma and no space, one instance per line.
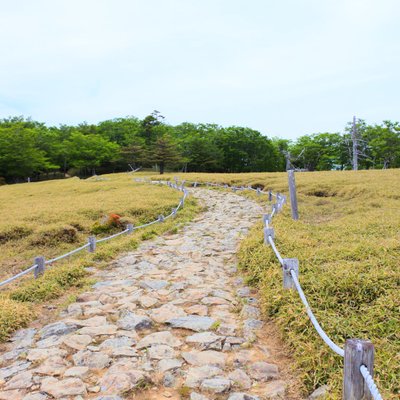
(53,217)
(348,245)
(57,216)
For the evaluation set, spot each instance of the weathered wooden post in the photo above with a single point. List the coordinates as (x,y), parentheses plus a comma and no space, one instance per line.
(92,244)
(130,228)
(269,195)
(266,219)
(289,264)
(258,191)
(357,353)
(161,218)
(40,266)
(293,195)
(174,212)
(268,232)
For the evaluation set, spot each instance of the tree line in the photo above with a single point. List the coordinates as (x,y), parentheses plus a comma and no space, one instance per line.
(31,149)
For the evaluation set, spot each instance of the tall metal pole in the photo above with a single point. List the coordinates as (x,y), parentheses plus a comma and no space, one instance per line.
(355,147)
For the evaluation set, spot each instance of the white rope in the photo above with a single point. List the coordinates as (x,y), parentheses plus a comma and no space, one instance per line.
(112,236)
(317,326)
(278,256)
(370,383)
(67,254)
(26,271)
(22,273)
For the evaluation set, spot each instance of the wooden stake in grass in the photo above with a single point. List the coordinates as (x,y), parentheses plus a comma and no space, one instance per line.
(293,195)
(357,353)
(40,266)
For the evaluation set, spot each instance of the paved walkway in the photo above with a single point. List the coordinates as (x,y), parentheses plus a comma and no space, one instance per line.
(169,321)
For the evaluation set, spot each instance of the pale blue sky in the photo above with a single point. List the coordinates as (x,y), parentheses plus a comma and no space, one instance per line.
(284,67)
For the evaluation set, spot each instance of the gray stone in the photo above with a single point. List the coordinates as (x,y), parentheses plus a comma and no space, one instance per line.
(77,372)
(147,301)
(51,341)
(242,396)
(164,337)
(207,357)
(275,390)
(122,283)
(252,324)
(262,371)
(130,320)
(197,396)
(169,364)
(206,340)
(11,355)
(63,388)
(35,396)
(160,351)
(91,360)
(153,284)
(57,328)
(42,354)
(250,312)
(169,379)
(196,375)
(192,322)
(112,397)
(23,380)
(13,369)
(114,343)
(320,393)
(121,377)
(166,312)
(240,379)
(23,338)
(216,385)
(227,330)
(77,342)
(55,365)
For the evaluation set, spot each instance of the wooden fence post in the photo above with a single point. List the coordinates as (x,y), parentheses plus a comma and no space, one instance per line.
(288,265)
(130,228)
(293,195)
(161,218)
(269,195)
(92,244)
(266,219)
(357,353)
(268,232)
(39,270)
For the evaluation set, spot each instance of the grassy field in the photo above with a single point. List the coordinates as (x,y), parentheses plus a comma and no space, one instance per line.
(53,217)
(347,241)
(348,245)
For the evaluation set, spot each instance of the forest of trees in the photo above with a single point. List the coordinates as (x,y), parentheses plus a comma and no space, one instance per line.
(31,149)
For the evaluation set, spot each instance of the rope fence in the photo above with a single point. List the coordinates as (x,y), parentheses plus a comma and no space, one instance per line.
(358,382)
(39,267)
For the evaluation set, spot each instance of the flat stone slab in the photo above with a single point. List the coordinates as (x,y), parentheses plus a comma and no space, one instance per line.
(195,323)
(130,321)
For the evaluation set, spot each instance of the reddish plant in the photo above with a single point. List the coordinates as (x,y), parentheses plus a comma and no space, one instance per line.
(114,219)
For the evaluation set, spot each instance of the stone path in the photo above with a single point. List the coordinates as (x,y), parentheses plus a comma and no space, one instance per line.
(169,321)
